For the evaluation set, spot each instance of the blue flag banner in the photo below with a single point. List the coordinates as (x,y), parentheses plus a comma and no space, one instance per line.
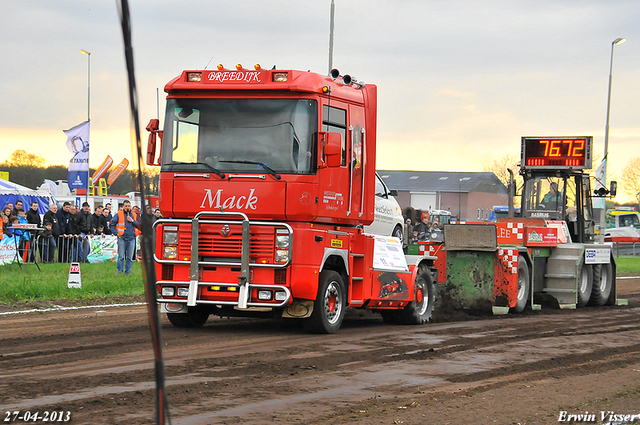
(78,145)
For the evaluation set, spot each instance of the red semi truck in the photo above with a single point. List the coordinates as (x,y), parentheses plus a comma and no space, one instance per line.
(268,177)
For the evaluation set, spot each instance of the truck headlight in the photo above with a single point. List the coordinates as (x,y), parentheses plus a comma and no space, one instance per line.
(282,255)
(183,292)
(265,295)
(168,291)
(282,241)
(170,238)
(170,252)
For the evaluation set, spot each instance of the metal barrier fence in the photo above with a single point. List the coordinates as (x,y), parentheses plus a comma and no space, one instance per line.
(626,248)
(63,249)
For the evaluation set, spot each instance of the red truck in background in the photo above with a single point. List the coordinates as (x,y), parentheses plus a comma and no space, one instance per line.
(268,177)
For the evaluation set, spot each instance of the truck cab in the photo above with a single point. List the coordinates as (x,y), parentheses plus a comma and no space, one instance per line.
(267,180)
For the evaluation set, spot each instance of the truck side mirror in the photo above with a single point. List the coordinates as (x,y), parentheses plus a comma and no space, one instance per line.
(393,192)
(333,149)
(613,188)
(152,127)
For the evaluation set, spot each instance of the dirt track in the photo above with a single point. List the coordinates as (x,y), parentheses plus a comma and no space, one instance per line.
(518,369)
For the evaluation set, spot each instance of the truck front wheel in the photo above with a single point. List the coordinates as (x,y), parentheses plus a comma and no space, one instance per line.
(329,306)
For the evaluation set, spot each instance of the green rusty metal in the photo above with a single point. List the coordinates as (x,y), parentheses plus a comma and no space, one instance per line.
(470,277)
(413,249)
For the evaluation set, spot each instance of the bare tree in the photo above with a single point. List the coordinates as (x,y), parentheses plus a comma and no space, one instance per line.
(499,167)
(630,180)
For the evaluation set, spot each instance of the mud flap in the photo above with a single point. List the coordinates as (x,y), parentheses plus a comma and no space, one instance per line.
(299,309)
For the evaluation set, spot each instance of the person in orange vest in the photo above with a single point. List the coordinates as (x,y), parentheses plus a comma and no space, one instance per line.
(126,225)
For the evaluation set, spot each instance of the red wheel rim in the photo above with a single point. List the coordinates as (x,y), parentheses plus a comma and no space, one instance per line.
(419,297)
(332,303)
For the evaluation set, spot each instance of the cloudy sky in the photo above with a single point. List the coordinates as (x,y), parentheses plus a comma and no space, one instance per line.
(459,81)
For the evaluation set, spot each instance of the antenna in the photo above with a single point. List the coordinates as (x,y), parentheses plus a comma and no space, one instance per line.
(333,9)
(208,63)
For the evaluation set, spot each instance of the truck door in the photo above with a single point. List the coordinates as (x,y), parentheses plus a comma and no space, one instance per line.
(358,139)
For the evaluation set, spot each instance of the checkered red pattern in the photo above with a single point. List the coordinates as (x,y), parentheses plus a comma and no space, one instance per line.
(509,258)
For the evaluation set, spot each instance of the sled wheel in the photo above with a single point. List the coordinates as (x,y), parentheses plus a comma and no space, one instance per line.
(523,286)
(194,318)
(329,306)
(602,284)
(585,284)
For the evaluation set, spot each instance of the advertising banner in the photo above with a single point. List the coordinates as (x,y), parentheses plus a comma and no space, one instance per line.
(7,249)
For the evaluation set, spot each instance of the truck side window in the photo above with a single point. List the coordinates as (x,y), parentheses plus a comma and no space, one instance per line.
(185,135)
(334,120)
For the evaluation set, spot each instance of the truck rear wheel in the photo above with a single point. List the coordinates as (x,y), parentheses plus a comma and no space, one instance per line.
(523,286)
(602,284)
(418,311)
(329,306)
(585,284)
(194,318)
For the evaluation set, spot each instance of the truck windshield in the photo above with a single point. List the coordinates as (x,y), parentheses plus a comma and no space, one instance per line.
(240,135)
(545,197)
(554,198)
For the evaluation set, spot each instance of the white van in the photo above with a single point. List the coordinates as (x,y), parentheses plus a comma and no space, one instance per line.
(388,215)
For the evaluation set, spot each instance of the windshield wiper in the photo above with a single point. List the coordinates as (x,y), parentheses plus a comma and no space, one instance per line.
(209,167)
(263,165)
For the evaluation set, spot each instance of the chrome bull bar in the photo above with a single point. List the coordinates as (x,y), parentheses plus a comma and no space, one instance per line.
(245,263)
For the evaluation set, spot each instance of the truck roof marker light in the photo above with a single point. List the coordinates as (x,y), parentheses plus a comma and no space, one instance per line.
(194,77)
(220,67)
(326,89)
(280,77)
(257,67)
(239,67)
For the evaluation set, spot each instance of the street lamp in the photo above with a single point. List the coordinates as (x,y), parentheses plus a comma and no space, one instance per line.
(615,42)
(84,52)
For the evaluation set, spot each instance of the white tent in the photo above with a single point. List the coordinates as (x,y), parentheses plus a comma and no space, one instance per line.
(11,192)
(7,186)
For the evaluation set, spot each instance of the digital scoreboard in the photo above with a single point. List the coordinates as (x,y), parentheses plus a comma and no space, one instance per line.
(556,152)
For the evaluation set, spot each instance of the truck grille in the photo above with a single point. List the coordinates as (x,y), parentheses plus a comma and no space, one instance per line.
(216,242)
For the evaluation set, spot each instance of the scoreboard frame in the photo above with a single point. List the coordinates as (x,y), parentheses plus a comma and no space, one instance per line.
(557,153)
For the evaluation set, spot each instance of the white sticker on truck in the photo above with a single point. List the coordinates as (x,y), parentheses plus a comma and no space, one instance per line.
(597,255)
(388,255)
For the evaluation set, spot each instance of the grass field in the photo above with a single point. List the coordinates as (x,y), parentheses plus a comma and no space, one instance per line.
(50,282)
(102,281)
(628,265)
